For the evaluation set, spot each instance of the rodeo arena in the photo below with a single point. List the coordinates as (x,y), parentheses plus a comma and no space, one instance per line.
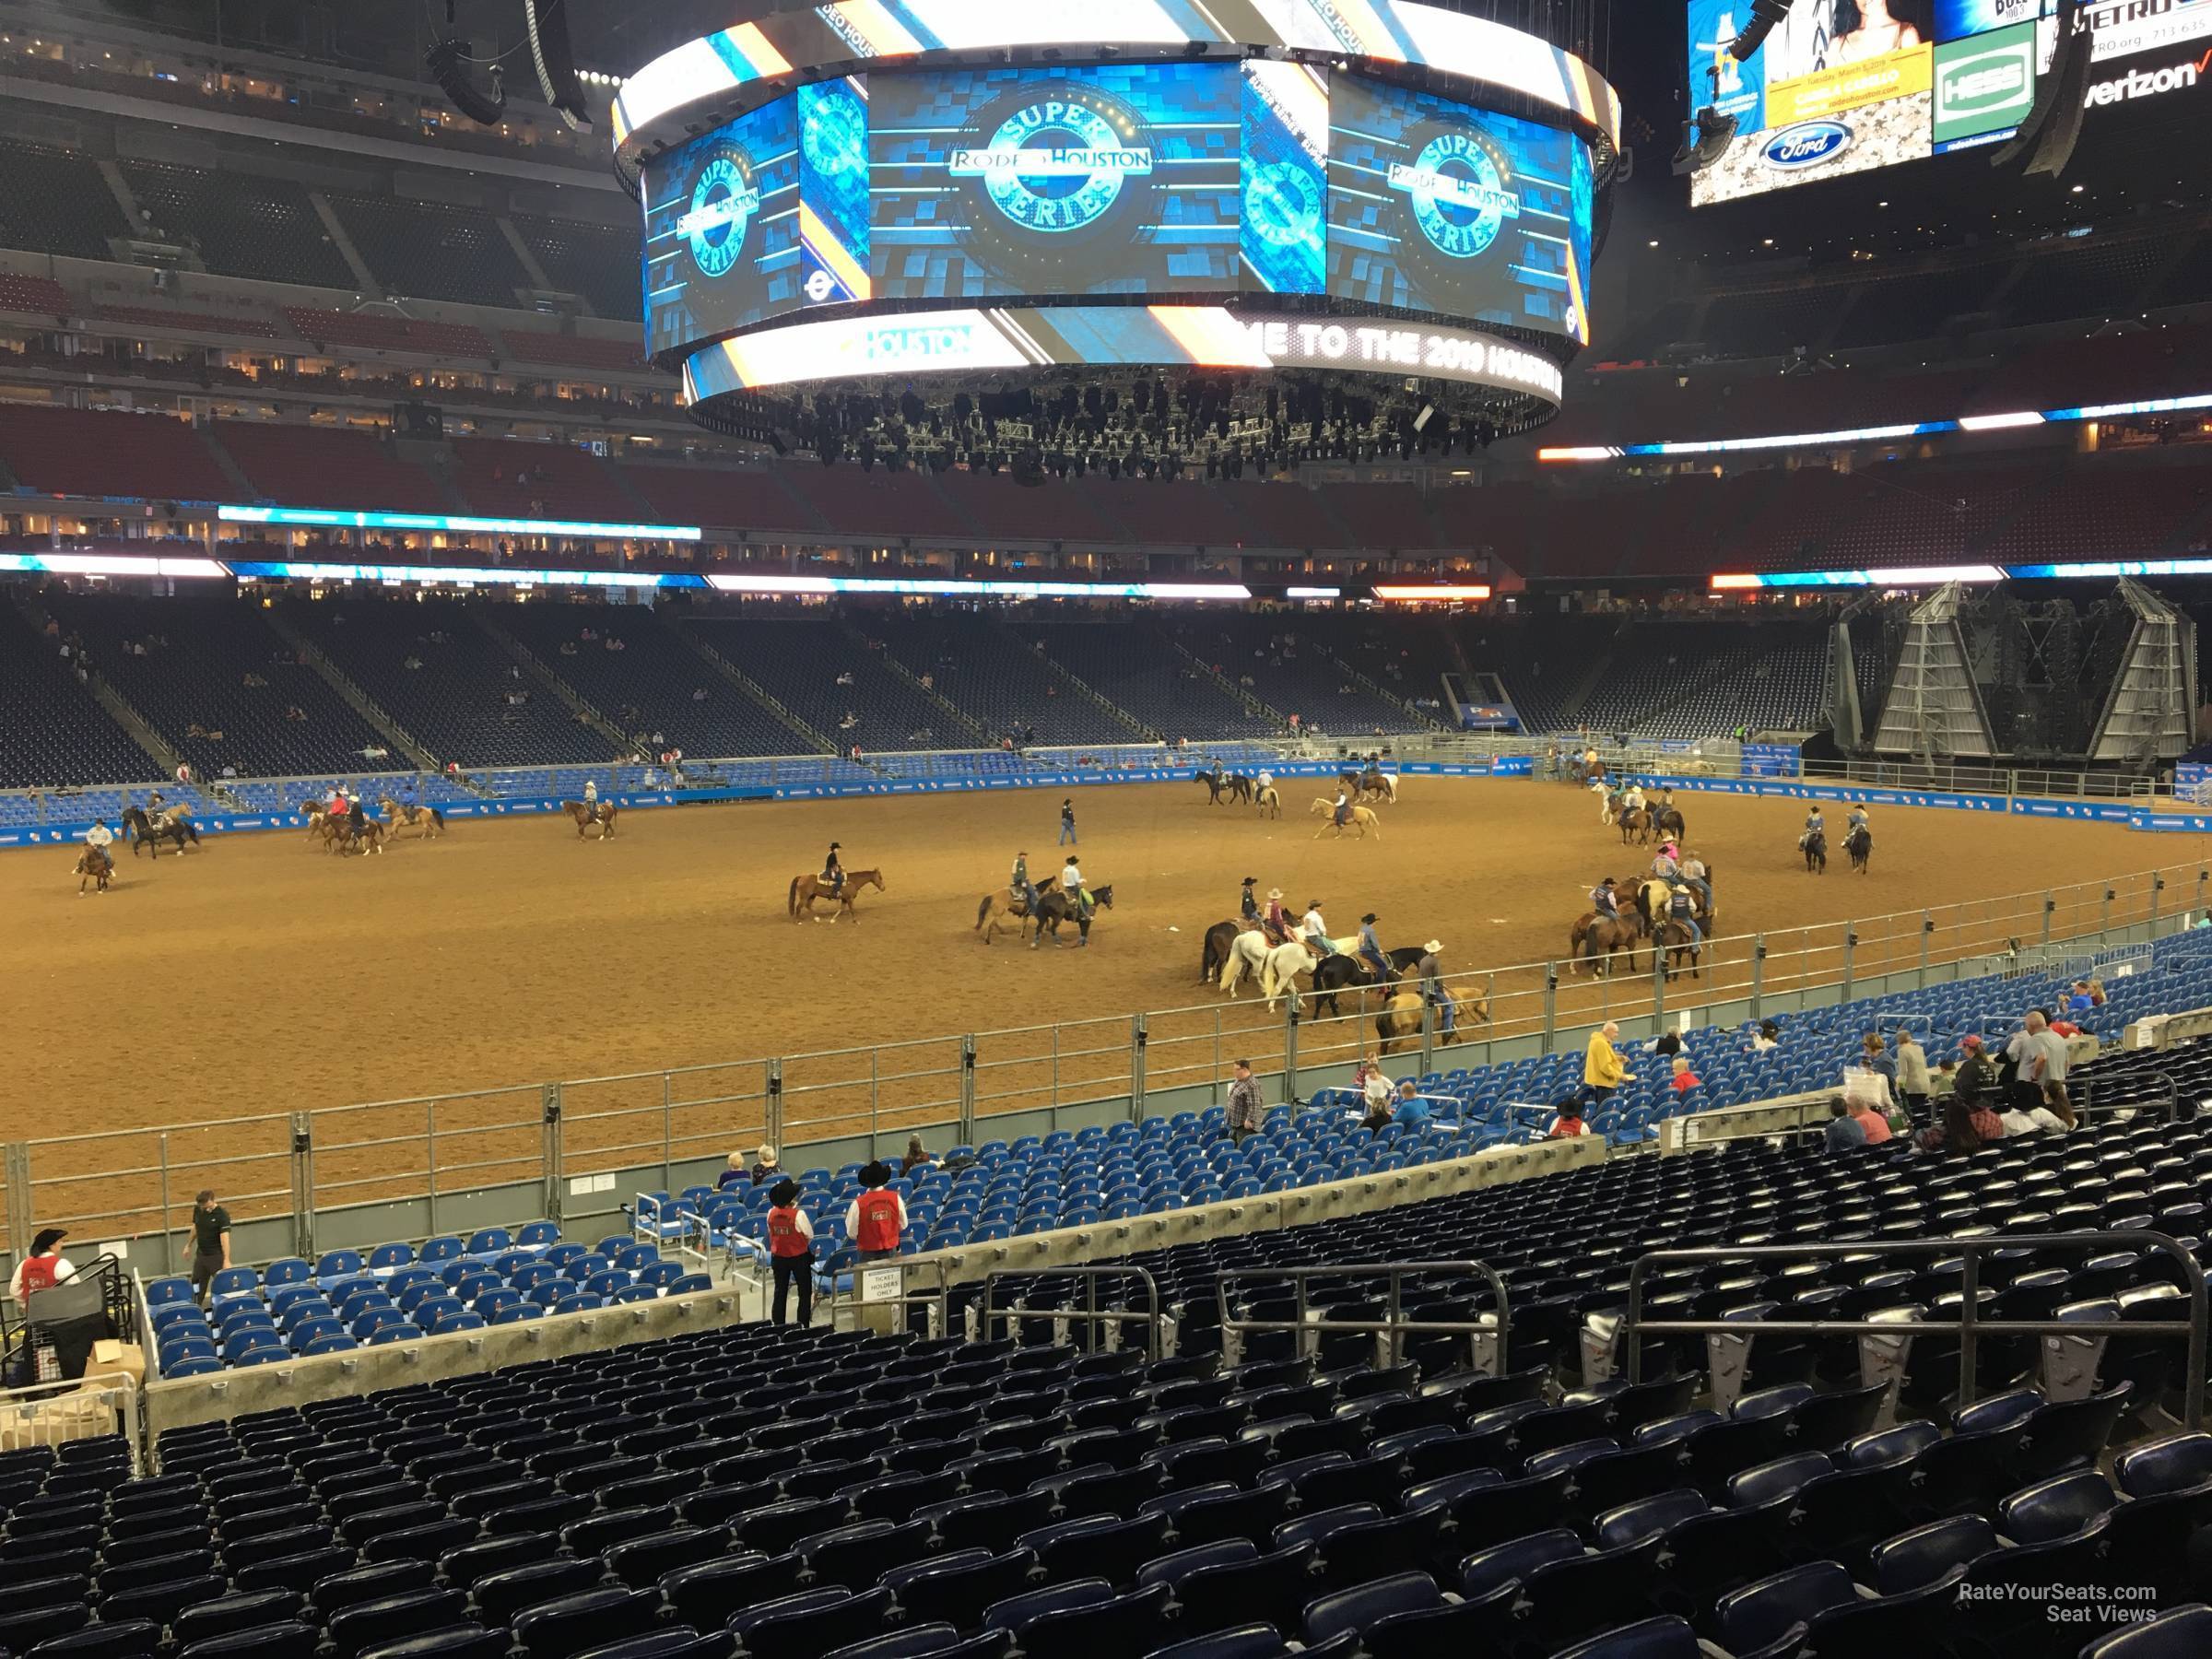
(1105,828)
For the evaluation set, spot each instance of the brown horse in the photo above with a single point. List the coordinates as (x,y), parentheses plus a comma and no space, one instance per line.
(426,821)
(603,815)
(93,865)
(805,890)
(1636,826)
(1004,908)
(1596,939)
(1672,939)
(1667,821)
(343,840)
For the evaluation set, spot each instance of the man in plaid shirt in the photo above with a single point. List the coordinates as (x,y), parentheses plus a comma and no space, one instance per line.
(1244,1106)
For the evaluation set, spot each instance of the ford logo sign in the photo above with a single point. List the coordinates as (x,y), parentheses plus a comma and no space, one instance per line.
(1807,144)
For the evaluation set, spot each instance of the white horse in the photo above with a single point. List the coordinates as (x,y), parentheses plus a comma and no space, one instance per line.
(1273,965)
(1279,972)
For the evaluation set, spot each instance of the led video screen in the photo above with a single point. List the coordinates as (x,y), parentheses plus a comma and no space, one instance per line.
(833,191)
(1436,207)
(1121,179)
(1286,177)
(722,244)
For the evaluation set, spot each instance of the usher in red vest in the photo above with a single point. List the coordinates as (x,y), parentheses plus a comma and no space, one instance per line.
(39,1273)
(878,1221)
(784,1238)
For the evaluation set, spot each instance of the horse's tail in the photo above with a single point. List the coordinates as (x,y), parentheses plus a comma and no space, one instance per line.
(981,910)
(793,908)
(437,818)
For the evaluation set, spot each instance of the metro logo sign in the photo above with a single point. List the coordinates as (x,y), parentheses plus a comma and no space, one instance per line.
(1985,84)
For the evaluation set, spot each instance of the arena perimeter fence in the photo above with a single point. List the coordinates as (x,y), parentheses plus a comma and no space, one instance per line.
(577,1150)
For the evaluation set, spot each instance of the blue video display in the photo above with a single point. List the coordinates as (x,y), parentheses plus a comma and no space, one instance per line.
(1286,177)
(833,191)
(1437,206)
(1116,179)
(1956,20)
(722,235)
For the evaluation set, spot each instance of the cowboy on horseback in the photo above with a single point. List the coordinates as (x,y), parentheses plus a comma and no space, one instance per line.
(1681,908)
(1315,933)
(590,799)
(1814,825)
(833,873)
(1278,920)
(1631,799)
(1854,820)
(1693,871)
(1602,899)
(1020,885)
(1248,902)
(1371,949)
(1341,814)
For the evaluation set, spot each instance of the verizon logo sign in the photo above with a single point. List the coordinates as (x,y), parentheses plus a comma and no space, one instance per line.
(2147,83)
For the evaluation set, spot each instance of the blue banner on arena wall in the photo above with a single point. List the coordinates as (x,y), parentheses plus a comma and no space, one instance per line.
(1774,759)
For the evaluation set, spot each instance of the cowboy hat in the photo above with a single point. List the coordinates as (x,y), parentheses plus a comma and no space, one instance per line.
(1433,946)
(1274,893)
(1369,918)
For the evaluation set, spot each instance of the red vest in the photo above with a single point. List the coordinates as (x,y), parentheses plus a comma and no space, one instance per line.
(784,1238)
(878,1221)
(39,1273)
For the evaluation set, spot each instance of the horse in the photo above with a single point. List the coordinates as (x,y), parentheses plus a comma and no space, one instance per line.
(1269,801)
(370,839)
(601,813)
(318,820)
(1667,822)
(1814,846)
(1635,825)
(1608,801)
(1596,939)
(138,830)
(1274,965)
(1364,820)
(1400,1021)
(426,821)
(1220,939)
(1235,785)
(1370,785)
(1673,940)
(93,865)
(1859,843)
(1335,973)
(1003,907)
(805,890)
(1055,908)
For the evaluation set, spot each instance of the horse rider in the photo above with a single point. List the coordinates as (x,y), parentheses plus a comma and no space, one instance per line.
(410,801)
(357,820)
(1694,872)
(1341,814)
(1278,921)
(99,838)
(1602,898)
(1631,798)
(1431,974)
(591,797)
(335,807)
(1856,821)
(1814,825)
(1667,864)
(1022,886)
(157,812)
(1071,878)
(1315,933)
(1263,783)
(833,873)
(1248,902)
(1681,907)
(1371,949)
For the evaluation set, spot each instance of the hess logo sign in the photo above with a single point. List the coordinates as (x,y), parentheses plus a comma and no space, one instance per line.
(1808,144)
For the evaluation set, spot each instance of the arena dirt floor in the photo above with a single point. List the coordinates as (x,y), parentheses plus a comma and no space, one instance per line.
(256,977)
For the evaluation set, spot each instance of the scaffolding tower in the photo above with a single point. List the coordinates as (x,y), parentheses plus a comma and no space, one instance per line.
(1934,707)
(2151,708)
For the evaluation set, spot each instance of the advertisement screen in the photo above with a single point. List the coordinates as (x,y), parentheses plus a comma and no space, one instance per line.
(1955,19)
(1435,207)
(1117,180)
(721,242)
(1984,85)
(833,191)
(1286,178)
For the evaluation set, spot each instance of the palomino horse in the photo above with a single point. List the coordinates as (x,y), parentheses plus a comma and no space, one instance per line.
(93,865)
(140,831)
(1814,844)
(1399,1024)
(1364,820)
(1055,908)
(1269,801)
(601,813)
(1004,908)
(1859,843)
(805,890)
(426,821)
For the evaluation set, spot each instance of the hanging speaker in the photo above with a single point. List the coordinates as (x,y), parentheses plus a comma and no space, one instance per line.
(556,60)
(448,63)
(2054,126)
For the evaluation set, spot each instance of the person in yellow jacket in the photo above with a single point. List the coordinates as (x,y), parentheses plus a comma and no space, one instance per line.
(1603,1071)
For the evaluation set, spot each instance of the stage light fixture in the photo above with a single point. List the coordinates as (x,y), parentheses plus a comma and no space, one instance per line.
(1705,139)
(547,21)
(1765,14)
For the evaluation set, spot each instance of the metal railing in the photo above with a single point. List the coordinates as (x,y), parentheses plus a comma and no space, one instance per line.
(1090,1273)
(565,1149)
(1394,1326)
(1970,1326)
(56,1414)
